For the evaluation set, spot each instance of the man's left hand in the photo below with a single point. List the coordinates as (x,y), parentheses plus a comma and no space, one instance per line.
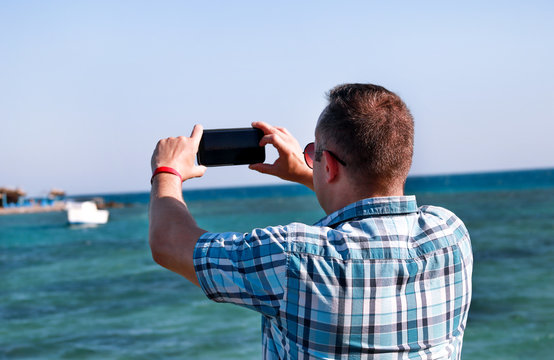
(179,153)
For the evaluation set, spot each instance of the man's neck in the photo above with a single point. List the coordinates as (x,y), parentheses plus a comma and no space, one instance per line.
(349,193)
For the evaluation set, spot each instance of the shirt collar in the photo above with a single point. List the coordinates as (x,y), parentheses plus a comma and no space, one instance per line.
(393,205)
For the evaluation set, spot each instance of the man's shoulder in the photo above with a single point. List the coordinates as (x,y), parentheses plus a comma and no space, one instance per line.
(436,211)
(260,235)
(440,218)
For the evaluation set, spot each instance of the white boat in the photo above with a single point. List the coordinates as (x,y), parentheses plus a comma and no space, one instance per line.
(85,213)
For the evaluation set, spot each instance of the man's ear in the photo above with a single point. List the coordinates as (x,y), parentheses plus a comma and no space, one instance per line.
(331,167)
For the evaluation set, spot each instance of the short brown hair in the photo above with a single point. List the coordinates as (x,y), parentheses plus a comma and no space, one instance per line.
(372,129)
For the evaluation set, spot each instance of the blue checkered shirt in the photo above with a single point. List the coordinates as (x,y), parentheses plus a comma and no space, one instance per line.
(378,279)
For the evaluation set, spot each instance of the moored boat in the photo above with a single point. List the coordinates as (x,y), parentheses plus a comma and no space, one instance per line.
(85,213)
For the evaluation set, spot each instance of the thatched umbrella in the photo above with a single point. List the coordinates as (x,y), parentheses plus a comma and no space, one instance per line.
(11,195)
(56,193)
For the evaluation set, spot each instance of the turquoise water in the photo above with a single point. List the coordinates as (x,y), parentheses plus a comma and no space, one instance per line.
(95,293)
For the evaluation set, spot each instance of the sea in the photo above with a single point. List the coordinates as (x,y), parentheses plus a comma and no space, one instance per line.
(77,292)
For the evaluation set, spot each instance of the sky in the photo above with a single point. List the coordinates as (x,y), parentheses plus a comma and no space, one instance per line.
(87,88)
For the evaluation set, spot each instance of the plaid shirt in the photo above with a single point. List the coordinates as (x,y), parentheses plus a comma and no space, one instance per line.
(378,279)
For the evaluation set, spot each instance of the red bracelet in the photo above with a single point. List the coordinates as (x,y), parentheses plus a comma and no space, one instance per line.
(165,169)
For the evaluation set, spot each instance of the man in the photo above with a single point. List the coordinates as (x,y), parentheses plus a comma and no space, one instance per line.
(377,278)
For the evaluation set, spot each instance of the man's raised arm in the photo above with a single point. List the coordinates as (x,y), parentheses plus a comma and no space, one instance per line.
(173,231)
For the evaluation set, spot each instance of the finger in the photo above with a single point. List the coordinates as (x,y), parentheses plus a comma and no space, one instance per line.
(265,127)
(263,168)
(275,140)
(267,139)
(283,130)
(196,134)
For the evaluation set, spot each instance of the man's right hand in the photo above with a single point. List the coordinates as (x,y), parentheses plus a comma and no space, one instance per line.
(290,164)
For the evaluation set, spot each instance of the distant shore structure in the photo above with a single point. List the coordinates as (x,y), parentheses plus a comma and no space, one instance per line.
(10,196)
(14,201)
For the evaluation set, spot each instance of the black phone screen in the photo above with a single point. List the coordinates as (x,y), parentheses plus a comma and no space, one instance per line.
(237,146)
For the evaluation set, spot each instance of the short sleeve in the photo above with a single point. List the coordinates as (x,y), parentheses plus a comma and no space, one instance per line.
(244,269)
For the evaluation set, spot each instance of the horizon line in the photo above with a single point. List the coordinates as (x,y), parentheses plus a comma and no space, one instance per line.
(288,183)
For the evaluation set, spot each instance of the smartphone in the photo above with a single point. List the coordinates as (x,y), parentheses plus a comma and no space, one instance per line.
(239,146)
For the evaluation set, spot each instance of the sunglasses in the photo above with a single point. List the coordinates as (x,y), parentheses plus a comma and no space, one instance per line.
(309,153)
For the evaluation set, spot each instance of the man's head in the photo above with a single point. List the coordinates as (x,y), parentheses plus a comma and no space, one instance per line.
(371,130)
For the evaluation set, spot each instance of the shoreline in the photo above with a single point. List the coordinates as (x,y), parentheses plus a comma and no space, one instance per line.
(60,206)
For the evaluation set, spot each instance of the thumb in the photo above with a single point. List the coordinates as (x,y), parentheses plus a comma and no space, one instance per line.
(263,168)
(197,171)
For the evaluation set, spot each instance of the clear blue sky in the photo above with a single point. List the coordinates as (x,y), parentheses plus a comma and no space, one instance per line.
(88,87)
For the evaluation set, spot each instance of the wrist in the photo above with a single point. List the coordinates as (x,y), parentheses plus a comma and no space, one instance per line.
(165,170)
(167,185)
(165,178)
